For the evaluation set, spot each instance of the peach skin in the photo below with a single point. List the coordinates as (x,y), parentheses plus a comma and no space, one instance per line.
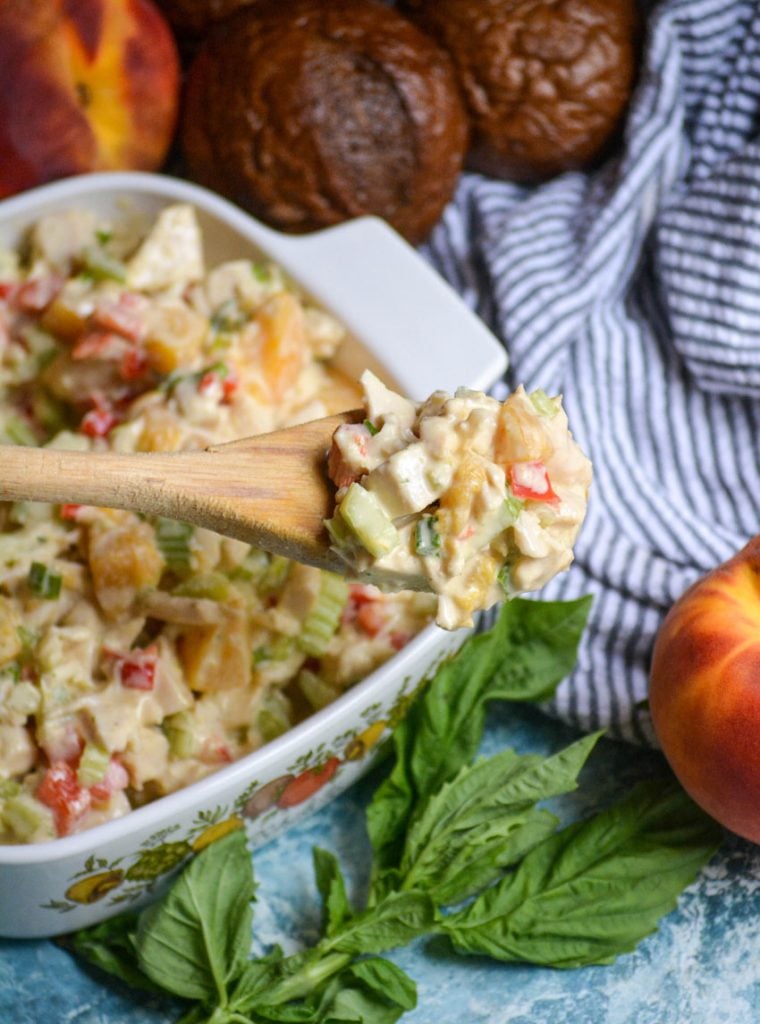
(85,85)
(704,691)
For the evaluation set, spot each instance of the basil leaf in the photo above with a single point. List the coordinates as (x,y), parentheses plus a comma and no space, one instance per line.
(110,946)
(444,726)
(371,991)
(400,918)
(479,814)
(255,982)
(541,640)
(387,979)
(197,938)
(332,889)
(595,889)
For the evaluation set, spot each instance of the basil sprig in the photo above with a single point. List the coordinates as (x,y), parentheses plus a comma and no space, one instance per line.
(461,849)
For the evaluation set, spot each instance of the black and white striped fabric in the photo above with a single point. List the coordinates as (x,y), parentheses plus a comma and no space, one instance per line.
(635,292)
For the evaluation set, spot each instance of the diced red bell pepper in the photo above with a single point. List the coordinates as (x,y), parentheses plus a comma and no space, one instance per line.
(225,381)
(70,512)
(100,419)
(530,481)
(60,791)
(371,617)
(137,670)
(134,365)
(7,289)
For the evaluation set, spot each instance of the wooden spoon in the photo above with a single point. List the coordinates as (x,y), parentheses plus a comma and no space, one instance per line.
(271,490)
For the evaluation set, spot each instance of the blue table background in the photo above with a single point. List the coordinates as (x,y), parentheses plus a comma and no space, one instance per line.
(701,967)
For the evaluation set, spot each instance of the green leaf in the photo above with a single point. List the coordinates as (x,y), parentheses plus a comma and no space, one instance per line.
(444,726)
(332,889)
(476,821)
(541,647)
(196,940)
(595,889)
(110,946)
(400,918)
(372,991)
(254,984)
(386,979)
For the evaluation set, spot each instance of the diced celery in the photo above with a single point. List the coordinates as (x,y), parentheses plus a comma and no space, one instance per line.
(24,512)
(322,622)
(212,585)
(278,649)
(18,431)
(173,539)
(276,574)
(180,733)
(543,404)
(275,716)
(98,265)
(253,566)
(93,764)
(342,537)
(267,573)
(24,699)
(9,788)
(427,540)
(315,690)
(28,819)
(365,516)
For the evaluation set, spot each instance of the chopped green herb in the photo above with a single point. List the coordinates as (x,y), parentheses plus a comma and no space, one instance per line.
(371,427)
(103,235)
(261,271)
(44,583)
(228,317)
(427,540)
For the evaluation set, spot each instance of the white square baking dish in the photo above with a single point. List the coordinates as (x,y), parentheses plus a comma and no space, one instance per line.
(404,322)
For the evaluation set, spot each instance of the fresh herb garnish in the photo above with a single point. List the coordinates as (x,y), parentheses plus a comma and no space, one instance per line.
(445,829)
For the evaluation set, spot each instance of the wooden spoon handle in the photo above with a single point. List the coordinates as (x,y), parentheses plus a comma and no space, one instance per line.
(270,490)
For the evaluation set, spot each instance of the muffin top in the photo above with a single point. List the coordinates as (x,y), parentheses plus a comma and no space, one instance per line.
(320,110)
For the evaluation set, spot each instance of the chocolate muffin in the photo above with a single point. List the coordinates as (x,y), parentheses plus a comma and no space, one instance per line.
(314,111)
(546,82)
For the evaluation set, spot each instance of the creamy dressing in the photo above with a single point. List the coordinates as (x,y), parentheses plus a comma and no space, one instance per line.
(137,656)
(471,498)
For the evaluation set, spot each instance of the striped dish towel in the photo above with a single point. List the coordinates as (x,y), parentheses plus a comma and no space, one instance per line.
(635,292)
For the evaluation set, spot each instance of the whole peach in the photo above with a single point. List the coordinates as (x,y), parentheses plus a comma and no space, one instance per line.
(704,691)
(85,85)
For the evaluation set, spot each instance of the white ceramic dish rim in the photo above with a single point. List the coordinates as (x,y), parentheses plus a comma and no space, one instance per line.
(277,245)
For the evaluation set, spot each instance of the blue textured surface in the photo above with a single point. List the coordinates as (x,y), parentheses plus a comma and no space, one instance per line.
(702,967)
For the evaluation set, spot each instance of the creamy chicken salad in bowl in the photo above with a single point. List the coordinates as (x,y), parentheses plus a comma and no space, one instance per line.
(161,685)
